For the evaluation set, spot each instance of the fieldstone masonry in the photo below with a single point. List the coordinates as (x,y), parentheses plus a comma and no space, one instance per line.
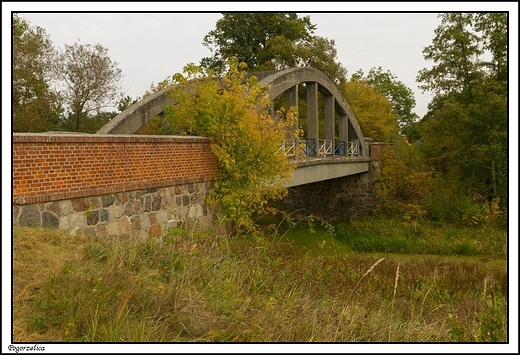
(140,213)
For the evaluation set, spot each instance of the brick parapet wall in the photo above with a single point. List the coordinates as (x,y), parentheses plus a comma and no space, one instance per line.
(50,167)
(377,149)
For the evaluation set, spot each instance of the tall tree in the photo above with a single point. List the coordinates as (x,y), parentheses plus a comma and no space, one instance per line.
(35,106)
(372,109)
(493,27)
(89,78)
(398,94)
(315,52)
(246,36)
(454,51)
(465,130)
(234,112)
(271,41)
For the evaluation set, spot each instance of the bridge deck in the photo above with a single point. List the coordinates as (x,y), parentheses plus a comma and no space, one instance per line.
(312,170)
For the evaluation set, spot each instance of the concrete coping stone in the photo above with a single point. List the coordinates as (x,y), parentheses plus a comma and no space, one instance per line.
(73,137)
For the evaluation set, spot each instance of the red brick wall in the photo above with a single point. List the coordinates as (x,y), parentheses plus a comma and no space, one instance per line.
(48,167)
(376,150)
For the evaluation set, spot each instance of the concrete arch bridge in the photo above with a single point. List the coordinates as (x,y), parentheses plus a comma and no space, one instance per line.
(340,150)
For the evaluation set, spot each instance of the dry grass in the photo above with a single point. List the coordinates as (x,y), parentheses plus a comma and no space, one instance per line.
(207,288)
(38,253)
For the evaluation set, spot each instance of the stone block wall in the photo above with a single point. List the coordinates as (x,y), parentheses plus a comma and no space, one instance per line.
(139,213)
(333,199)
(112,184)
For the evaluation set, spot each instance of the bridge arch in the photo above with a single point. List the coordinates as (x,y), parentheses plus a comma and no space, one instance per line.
(287,81)
(278,82)
(137,115)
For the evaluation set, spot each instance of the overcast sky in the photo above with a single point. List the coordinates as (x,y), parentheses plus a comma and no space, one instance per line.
(151,46)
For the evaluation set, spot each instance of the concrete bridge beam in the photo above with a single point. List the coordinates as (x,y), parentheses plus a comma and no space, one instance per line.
(137,115)
(329,120)
(326,169)
(312,112)
(291,99)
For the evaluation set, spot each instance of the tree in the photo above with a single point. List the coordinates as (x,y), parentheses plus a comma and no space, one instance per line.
(398,94)
(372,109)
(246,36)
(234,112)
(465,130)
(271,41)
(454,51)
(493,27)
(315,52)
(35,105)
(126,102)
(89,79)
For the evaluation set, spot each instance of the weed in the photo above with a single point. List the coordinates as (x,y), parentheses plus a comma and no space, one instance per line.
(202,286)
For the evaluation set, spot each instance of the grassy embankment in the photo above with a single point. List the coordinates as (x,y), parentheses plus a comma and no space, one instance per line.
(204,287)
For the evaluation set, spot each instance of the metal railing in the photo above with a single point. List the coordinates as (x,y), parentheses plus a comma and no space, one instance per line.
(309,146)
(324,148)
(288,147)
(341,148)
(353,149)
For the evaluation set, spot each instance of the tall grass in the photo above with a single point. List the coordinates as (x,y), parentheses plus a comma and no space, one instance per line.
(395,235)
(199,286)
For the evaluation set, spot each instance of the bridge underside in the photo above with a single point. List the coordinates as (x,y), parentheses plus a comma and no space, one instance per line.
(314,170)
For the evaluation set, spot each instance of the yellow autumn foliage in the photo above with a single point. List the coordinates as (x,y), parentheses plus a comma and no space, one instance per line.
(234,112)
(401,185)
(372,109)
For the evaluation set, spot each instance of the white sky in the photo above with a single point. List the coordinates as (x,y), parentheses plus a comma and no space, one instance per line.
(151,46)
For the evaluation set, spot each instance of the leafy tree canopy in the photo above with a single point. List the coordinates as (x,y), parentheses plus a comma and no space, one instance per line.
(465,130)
(89,79)
(246,36)
(372,109)
(398,94)
(35,106)
(271,41)
(454,51)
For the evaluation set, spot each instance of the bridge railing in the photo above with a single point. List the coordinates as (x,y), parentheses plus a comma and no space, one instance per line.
(307,147)
(298,147)
(353,149)
(288,147)
(341,148)
(325,148)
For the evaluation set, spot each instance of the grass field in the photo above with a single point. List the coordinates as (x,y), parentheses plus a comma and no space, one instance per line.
(199,286)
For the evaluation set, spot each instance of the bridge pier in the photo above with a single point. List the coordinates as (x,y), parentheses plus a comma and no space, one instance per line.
(338,198)
(333,199)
